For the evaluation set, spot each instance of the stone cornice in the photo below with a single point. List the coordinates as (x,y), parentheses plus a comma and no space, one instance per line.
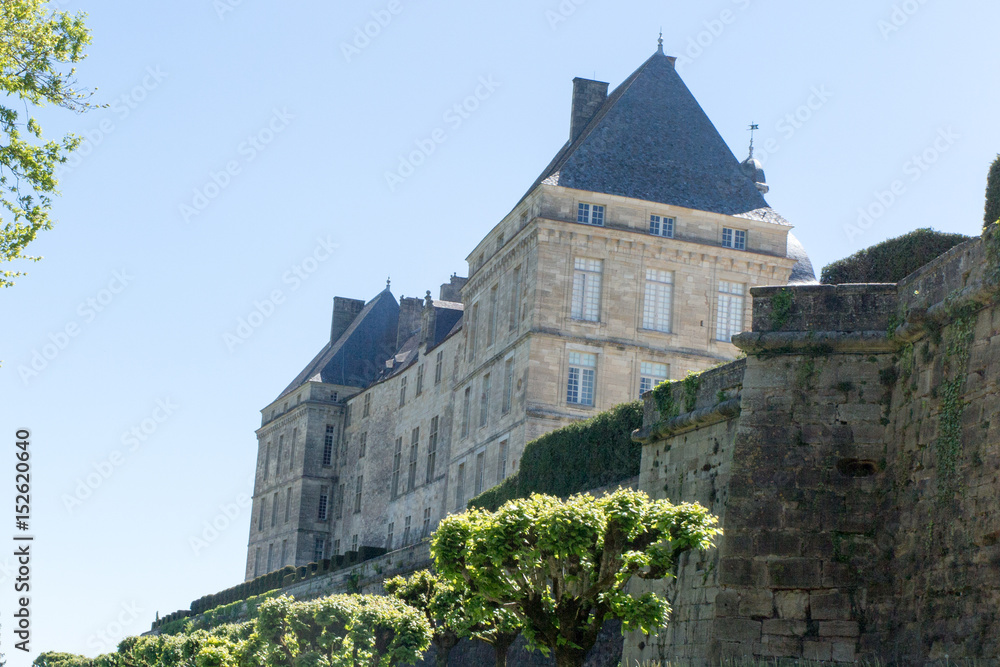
(814,342)
(689,421)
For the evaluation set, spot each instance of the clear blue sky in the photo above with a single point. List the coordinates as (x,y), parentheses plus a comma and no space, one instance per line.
(308,132)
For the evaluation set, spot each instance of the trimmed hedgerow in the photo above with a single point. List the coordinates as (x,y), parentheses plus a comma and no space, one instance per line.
(575,458)
(992,194)
(892,260)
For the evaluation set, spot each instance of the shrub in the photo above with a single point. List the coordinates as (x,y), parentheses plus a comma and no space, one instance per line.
(992,194)
(891,260)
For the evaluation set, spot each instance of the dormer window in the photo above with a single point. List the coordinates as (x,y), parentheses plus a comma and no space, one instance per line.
(661,226)
(590,214)
(734,238)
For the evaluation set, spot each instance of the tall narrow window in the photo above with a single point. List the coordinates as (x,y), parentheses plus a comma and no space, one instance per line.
(480,471)
(354,543)
(411,476)
(281,451)
(402,391)
(438,367)
(729,316)
(256,563)
(260,515)
(590,214)
(388,535)
(267,462)
(284,553)
(318,545)
(426,530)
(397,462)
(341,491)
(661,226)
(270,556)
(515,298)
(502,461)
(734,238)
(587,289)
(328,445)
(508,384)
(466,409)
(291,450)
(363,445)
(473,321)
(357,494)
(336,548)
(432,445)
(323,506)
(366,406)
(274,510)
(650,375)
(460,488)
(484,401)
(288,504)
(406,530)
(491,331)
(658,299)
(420,379)
(580,383)
(347,415)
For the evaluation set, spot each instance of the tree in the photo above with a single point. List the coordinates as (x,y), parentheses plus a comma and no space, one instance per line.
(562,566)
(992,194)
(54,659)
(36,44)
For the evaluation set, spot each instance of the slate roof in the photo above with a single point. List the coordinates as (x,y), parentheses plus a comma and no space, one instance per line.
(651,140)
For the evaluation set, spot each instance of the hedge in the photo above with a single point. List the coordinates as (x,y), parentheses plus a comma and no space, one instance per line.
(575,458)
(992,194)
(892,260)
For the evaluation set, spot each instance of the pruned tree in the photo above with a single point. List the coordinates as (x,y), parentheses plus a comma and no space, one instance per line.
(561,567)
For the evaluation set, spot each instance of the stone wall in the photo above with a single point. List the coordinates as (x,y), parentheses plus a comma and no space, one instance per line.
(856,483)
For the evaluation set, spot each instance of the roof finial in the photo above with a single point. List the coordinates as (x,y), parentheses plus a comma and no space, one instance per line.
(659,48)
(387,281)
(753,126)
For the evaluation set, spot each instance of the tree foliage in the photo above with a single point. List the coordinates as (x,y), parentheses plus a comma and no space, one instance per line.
(992,194)
(891,260)
(53,659)
(562,567)
(36,45)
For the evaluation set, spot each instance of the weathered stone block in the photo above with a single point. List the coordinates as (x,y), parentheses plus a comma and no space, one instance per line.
(828,606)
(838,629)
(817,650)
(780,626)
(792,604)
(779,647)
(757,604)
(737,629)
(727,603)
(795,573)
(735,572)
(844,651)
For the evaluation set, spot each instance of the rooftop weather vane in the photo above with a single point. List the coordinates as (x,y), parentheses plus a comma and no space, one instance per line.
(660,41)
(387,280)
(753,126)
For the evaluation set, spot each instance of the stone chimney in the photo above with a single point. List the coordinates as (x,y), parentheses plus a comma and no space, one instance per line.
(588,96)
(452,290)
(344,312)
(409,319)
(428,321)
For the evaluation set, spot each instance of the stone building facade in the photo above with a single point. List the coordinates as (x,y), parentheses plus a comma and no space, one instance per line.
(628,261)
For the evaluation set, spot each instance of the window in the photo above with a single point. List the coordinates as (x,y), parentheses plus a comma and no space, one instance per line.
(661,226)
(336,548)
(729,317)
(508,384)
(402,391)
(466,407)
(502,461)
(426,530)
(260,516)
(484,401)
(288,504)
(324,500)
(366,407)
(420,379)
(267,462)
(734,238)
(339,500)
(274,510)
(284,553)
(406,530)
(354,542)
(291,452)
(658,300)
(397,462)
(480,471)
(590,214)
(388,536)
(363,445)
(256,563)
(580,384)
(334,396)
(357,495)
(347,415)
(460,489)
(587,289)
(270,556)
(432,444)
(491,331)
(515,300)
(473,317)
(438,365)
(281,450)
(318,545)
(411,477)
(328,446)
(650,375)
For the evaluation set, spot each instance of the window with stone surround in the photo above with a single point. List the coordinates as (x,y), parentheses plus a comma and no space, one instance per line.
(734,238)
(397,462)
(288,504)
(426,530)
(580,381)
(339,500)
(406,530)
(336,548)
(491,330)
(590,214)
(362,445)
(432,442)
(328,445)
(484,400)
(411,476)
(281,451)
(466,411)
(354,542)
(389,536)
(502,460)
(460,488)
(357,495)
(366,408)
(515,298)
(587,289)
(508,384)
(256,563)
(274,510)
(318,544)
(729,313)
(420,379)
(438,367)
(402,391)
(284,553)
(480,472)
(471,336)
(658,300)
(661,226)
(322,506)
(650,375)
(270,556)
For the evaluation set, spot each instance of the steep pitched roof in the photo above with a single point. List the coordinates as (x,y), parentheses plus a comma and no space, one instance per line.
(651,140)
(357,357)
